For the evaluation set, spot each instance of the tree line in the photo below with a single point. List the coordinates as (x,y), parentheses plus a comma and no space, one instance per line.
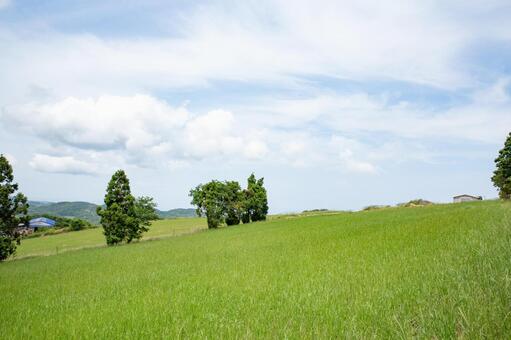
(225,202)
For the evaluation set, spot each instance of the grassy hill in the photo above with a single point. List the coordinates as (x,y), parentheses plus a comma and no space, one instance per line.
(87,211)
(441,271)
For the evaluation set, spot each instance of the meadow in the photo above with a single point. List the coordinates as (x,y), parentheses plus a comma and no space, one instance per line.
(441,271)
(92,238)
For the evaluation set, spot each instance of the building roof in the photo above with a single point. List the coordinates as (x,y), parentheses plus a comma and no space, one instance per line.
(466,195)
(41,222)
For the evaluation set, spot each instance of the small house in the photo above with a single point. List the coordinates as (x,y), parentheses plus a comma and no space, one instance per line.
(466,198)
(41,222)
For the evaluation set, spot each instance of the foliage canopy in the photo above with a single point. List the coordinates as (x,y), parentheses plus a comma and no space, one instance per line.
(225,202)
(119,217)
(502,175)
(13,209)
(145,209)
(255,199)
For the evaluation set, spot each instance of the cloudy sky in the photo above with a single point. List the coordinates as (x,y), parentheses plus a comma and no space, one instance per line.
(337,104)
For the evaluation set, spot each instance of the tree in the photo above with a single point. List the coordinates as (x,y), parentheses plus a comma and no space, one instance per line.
(208,198)
(502,175)
(226,202)
(145,209)
(119,218)
(232,202)
(13,209)
(255,200)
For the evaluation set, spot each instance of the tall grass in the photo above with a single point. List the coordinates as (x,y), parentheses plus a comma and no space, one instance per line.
(431,272)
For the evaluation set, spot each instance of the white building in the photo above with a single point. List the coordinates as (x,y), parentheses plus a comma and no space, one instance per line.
(466,198)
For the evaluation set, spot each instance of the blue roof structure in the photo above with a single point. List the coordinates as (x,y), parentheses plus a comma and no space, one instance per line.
(41,222)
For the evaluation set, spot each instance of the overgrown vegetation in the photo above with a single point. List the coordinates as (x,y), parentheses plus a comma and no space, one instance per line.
(376,207)
(502,175)
(419,202)
(225,202)
(13,210)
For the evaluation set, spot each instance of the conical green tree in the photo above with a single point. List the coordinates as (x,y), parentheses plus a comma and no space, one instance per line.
(255,202)
(13,209)
(118,218)
(502,175)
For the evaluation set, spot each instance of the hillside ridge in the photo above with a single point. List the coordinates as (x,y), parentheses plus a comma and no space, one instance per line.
(87,211)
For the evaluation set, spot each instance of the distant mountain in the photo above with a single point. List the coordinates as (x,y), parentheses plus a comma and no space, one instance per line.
(35,204)
(83,210)
(174,213)
(87,211)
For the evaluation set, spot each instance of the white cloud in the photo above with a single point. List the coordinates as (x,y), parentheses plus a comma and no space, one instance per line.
(216,134)
(62,164)
(177,164)
(140,129)
(108,122)
(145,131)
(271,42)
(482,118)
(255,149)
(299,149)
(353,165)
(350,154)
(211,133)
(55,85)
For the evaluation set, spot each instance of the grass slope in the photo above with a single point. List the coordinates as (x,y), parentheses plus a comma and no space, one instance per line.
(54,244)
(437,272)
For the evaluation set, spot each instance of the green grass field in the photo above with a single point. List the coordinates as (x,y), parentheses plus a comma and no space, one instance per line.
(54,244)
(441,271)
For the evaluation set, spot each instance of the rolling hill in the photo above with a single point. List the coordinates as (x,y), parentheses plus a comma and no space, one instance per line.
(176,213)
(87,211)
(82,210)
(438,271)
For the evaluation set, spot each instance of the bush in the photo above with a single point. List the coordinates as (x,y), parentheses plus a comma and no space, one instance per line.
(375,207)
(415,203)
(77,224)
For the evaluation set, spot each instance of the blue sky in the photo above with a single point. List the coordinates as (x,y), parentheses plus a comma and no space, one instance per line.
(338,104)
